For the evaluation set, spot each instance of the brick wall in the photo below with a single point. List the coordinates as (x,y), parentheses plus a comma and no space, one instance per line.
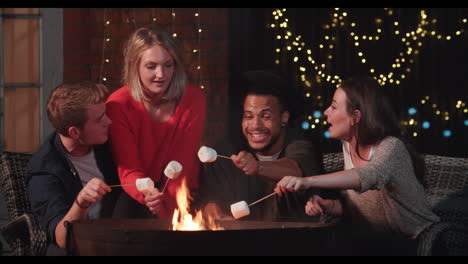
(93,50)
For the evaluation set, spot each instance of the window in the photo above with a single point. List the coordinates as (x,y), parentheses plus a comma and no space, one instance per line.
(31,66)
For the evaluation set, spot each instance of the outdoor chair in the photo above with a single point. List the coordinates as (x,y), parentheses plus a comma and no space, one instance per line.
(446,184)
(24,233)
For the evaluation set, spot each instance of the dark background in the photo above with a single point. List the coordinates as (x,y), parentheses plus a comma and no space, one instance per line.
(439,70)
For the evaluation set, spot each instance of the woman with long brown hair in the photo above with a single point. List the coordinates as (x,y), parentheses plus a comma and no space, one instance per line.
(379,186)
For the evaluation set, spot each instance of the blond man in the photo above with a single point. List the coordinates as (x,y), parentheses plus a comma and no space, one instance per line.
(69,176)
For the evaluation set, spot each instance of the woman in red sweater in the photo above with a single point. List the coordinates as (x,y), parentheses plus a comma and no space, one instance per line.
(156,117)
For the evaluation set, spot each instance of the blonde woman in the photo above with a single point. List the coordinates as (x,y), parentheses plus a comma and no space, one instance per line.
(157,117)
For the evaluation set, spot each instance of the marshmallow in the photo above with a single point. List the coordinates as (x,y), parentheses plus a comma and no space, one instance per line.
(145,185)
(206,154)
(173,170)
(240,209)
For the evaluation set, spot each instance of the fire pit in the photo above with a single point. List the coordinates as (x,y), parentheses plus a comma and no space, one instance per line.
(154,237)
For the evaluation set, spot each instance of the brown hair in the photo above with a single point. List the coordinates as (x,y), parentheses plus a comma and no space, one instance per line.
(68,102)
(141,40)
(378,118)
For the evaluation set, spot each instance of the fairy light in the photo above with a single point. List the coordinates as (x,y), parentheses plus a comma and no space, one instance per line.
(199,31)
(106,38)
(173,17)
(440,116)
(131,19)
(411,40)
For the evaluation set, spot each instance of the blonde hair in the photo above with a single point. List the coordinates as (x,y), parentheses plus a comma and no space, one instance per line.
(141,40)
(68,103)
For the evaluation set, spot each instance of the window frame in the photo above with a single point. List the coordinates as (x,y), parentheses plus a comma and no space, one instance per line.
(50,29)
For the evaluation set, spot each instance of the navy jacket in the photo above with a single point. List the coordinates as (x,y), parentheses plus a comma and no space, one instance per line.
(53,182)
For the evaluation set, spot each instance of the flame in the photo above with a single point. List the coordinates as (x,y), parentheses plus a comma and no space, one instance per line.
(183,220)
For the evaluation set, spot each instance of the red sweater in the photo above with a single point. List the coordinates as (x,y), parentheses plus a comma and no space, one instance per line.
(142,147)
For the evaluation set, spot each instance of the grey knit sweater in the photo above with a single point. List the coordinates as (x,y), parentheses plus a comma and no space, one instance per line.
(391,198)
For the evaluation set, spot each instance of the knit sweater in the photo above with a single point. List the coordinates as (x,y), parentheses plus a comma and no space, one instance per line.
(390,198)
(142,147)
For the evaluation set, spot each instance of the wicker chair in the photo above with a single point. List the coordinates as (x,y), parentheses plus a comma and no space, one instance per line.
(24,233)
(446,183)
(333,162)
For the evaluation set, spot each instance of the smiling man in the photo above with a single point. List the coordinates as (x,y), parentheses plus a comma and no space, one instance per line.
(270,149)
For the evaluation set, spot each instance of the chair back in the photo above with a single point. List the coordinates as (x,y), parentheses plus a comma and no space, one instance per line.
(446,182)
(24,233)
(13,181)
(333,162)
(446,185)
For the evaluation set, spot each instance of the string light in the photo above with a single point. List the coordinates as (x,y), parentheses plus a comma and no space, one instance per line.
(173,16)
(131,18)
(106,38)
(412,41)
(199,31)
(289,43)
(425,106)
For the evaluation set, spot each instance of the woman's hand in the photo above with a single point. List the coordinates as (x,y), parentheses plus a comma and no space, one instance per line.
(318,206)
(291,184)
(154,201)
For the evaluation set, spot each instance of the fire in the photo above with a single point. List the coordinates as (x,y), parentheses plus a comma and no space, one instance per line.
(183,220)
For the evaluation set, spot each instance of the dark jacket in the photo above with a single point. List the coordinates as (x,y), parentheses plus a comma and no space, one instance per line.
(53,182)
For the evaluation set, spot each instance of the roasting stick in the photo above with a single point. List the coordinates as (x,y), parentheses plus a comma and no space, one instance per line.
(221,156)
(164,188)
(271,194)
(172,171)
(241,209)
(120,185)
(207,154)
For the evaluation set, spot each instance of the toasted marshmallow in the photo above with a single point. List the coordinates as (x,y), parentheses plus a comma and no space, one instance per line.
(145,185)
(240,209)
(206,154)
(173,170)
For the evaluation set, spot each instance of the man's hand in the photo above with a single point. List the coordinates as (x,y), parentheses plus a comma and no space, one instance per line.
(91,192)
(246,162)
